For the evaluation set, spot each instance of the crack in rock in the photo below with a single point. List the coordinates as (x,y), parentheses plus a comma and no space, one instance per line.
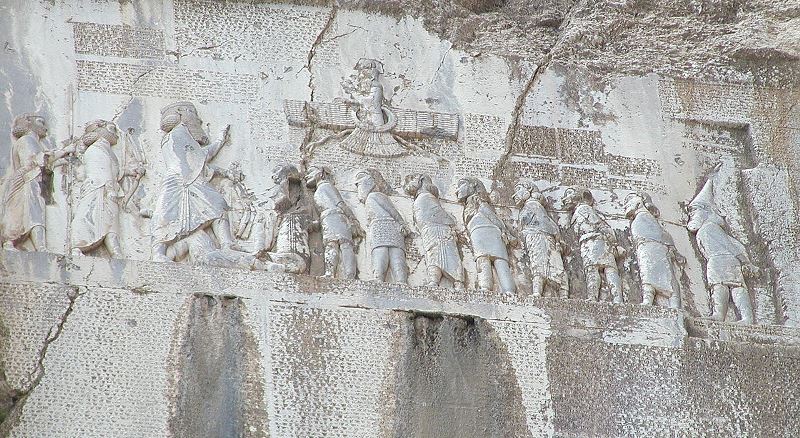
(519,106)
(132,94)
(312,53)
(35,376)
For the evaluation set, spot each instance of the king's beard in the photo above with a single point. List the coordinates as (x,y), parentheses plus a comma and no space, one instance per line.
(197,132)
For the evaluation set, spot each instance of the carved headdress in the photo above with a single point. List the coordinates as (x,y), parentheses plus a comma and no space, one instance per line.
(704,200)
(472,193)
(100,128)
(531,189)
(315,174)
(527,185)
(574,196)
(184,112)
(286,172)
(703,208)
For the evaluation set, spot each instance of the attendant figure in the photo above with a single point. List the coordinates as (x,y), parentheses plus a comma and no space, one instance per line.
(23,209)
(287,241)
(340,229)
(437,229)
(96,219)
(727,263)
(489,236)
(659,261)
(387,230)
(541,240)
(598,243)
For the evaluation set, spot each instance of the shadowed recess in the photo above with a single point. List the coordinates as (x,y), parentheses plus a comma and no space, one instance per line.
(455,379)
(219,388)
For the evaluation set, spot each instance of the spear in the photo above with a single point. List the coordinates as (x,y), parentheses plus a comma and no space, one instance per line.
(70,166)
(133,148)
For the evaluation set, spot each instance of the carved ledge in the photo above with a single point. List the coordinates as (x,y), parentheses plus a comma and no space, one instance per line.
(611,323)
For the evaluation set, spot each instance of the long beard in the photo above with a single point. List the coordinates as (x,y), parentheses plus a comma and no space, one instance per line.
(471,207)
(198,133)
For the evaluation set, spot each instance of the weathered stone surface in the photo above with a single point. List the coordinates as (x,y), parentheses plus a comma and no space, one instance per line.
(656,98)
(283,355)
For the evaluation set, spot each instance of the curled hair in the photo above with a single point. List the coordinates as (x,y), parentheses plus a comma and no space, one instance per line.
(22,125)
(369,64)
(326,174)
(416,181)
(478,189)
(173,114)
(647,202)
(528,185)
(89,138)
(477,196)
(427,184)
(574,196)
(170,121)
(286,172)
(99,129)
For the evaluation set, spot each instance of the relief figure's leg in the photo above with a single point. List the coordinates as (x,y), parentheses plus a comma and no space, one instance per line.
(222,230)
(112,244)
(484,267)
(564,285)
(648,295)
(612,277)
(159,253)
(331,259)
(720,297)
(592,283)
(741,298)
(675,297)
(504,276)
(380,263)
(397,262)
(38,238)
(538,285)
(434,275)
(675,300)
(349,267)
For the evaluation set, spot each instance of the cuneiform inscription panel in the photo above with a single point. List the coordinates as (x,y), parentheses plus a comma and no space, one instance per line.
(28,313)
(119,41)
(705,101)
(106,374)
(247,31)
(484,133)
(574,146)
(329,370)
(578,157)
(166,81)
(525,343)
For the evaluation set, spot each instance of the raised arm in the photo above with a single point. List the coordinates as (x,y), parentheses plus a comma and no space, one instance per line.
(214,148)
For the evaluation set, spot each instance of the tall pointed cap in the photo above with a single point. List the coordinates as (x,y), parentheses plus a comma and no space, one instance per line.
(705,198)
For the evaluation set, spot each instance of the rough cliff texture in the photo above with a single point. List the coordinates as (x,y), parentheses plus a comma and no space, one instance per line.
(215,352)
(613,96)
